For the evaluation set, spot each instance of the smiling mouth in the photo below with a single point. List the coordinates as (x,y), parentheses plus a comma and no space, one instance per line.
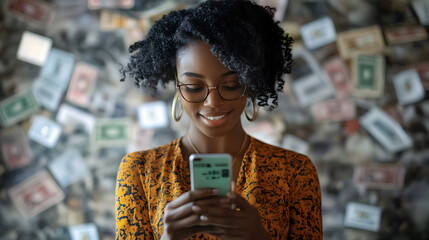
(213,118)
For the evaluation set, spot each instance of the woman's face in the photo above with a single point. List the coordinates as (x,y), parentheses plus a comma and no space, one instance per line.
(214,116)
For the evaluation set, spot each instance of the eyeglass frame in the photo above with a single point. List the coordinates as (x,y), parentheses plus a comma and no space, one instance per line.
(208,90)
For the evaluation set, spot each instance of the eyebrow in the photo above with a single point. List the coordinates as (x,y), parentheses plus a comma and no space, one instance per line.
(191,74)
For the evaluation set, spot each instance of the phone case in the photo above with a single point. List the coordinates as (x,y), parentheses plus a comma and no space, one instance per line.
(211,171)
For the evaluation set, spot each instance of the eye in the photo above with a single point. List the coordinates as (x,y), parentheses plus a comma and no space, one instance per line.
(231,86)
(194,88)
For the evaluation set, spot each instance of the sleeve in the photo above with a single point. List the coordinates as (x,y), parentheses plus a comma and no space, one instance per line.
(131,208)
(305,208)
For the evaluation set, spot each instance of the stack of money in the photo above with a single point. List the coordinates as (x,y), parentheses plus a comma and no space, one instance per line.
(356,104)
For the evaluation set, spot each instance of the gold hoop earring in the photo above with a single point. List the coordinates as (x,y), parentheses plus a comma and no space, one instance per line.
(255,112)
(173,108)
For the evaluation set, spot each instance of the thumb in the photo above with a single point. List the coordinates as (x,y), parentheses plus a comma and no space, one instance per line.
(233,187)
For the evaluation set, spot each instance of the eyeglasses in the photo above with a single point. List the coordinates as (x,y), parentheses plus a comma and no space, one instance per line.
(195,93)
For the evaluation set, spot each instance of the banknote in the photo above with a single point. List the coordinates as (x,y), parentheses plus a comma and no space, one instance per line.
(379,176)
(152,115)
(86,231)
(34,12)
(110,20)
(97,4)
(339,74)
(111,132)
(408,86)
(318,33)
(17,108)
(82,84)
(351,126)
(15,148)
(334,110)
(103,102)
(69,115)
(368,76)
(34,48)
(423,70)
(368,40)
(295,144)
(69,168)
(310,84)
(421,8)
(58,69)
(36,194)
(386,130)
(47,95)
(362,216)
(45,131)
(405,34)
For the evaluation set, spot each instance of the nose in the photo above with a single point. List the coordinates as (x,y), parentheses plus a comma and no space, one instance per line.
(213,98)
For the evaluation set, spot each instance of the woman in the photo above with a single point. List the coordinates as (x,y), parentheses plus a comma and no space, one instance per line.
(220,54)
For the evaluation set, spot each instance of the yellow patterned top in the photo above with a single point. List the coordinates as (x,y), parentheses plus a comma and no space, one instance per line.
(281,184)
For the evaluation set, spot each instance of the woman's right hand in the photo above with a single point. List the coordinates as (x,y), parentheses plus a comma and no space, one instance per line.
(181,222)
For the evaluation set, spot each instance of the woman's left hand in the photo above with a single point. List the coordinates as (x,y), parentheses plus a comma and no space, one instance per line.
(243,222)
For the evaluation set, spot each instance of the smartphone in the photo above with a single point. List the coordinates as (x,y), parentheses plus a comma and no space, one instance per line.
(212,170)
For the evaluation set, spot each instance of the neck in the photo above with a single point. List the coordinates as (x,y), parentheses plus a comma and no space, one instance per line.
(202,143)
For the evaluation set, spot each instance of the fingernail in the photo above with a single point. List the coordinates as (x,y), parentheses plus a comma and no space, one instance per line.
(215,191)
(196,208)
(203,218)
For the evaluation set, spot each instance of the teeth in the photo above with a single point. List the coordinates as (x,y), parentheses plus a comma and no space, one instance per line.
(214,118)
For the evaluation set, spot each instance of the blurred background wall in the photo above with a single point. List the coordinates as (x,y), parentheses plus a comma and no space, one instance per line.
(356,103)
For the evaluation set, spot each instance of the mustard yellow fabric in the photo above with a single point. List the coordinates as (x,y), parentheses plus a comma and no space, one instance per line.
(281,184)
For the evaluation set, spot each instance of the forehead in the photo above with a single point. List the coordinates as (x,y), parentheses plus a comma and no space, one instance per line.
(197,58)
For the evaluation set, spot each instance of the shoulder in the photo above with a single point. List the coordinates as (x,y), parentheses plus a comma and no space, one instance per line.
(279,156)
(150,156)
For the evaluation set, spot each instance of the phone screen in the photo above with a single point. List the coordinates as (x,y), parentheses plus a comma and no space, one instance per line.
(211,171)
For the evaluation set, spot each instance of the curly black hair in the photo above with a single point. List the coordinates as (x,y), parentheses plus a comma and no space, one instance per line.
(241,34)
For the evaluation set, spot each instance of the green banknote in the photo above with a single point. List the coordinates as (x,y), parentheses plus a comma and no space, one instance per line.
(112,132)
(17,108)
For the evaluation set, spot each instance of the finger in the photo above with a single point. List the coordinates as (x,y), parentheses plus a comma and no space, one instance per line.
(233,187)
(215,211)
(174,214)
(190,221)
(239,201)
(210,201)
(192,196)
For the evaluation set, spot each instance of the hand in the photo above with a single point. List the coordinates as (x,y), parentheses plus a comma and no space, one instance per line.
(241,223)
(181,222)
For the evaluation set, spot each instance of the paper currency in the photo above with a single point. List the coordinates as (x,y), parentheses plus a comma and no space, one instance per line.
(386,130)
(421,8)
(295,144)
(47,95)
(334,110)
(15,148)
(97,4)
(36,194)
(34,12)
(103,102)
(311,84)
(82,84)
(318,33)
(368,76)
(17,108)
(423,70)
(152,115)
(69,168)
(110,20)
(362,216)
(405,33)
(408,86)
(338,72)
(68,115)
(367,40)
(58,69)
(111,132)
(86,231)
(45,131)
(379,176)
(34,48)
